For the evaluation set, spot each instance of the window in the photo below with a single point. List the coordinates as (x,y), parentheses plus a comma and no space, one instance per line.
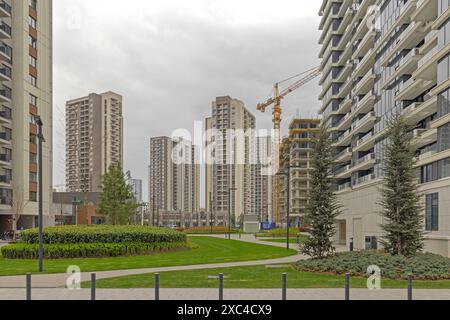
(32,22)
(33,196)
(33,177)
(33,81)
(33,100)
(33,158)
(33,4)
(33,139)
(33,61)
(33,42)
(432,212)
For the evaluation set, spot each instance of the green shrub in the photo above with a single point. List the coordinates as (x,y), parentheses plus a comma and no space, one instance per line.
(276,233)
(88,250)
(422,266)
(206,229)
(104,234)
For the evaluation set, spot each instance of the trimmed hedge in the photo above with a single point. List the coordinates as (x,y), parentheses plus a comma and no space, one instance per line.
(207,230)
(422,266)
(88,250)
(104,234)
(274,233)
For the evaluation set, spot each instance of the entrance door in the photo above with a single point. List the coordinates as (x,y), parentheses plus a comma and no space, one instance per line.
(343,233)
(358,234)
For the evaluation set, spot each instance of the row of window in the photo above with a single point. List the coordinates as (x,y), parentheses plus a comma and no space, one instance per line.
(435,171)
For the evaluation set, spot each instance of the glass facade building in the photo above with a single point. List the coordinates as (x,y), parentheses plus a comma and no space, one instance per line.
(381,58)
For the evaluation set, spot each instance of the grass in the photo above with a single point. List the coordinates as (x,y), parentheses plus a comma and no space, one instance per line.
(206,250)
(254,277)
(292,240)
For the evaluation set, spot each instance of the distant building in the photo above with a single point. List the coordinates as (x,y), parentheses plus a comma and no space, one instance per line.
(136,185)
(94,139)
(79,208)
(230,167)
(174,186)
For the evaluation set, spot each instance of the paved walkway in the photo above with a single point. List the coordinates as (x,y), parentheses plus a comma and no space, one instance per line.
(59,280)
(231,294)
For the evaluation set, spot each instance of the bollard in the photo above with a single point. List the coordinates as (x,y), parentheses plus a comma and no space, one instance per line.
(28,285)
(410,287)
(347,286)
(93,286)
(220,286)
(156,286)
(284,290)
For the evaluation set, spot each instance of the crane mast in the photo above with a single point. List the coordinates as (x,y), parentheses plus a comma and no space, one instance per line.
(277,118)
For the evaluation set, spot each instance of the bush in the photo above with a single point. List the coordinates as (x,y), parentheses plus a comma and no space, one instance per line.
(422,266)
(275,233)
(205,230)
(88,250)
(104,234)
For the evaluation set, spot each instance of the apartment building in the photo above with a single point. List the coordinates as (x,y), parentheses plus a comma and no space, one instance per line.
(136,187)
(94,139)
(174,176)
(264,180)
(295,168)
(373,69)
(231,150)
(25,91)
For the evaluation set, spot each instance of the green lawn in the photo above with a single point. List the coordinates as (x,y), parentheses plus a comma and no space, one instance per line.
(253,277)
(292,240)
(208,250)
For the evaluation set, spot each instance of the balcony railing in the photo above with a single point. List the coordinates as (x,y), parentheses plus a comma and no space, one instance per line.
(5,179)
(6,7)
(6,201)
(5,136)
(5,49)
(5,157)
(6,28)
(6,71)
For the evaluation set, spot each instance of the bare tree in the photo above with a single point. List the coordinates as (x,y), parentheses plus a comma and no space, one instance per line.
(18,206)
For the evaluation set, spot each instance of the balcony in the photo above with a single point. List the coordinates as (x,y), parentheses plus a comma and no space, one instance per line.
(345,186)
(5,31)
(428,64)
(365,143)
(5,160)
(423,137)
(5,74)
(365,105)
(345,123)
(364,124)
(344,139)
(344,156)
(407,65)
(413,88)
(409,39)
(5,138)
(5,116)
(5,201)
(365,64)
(5,52)
(427,11)
(365,84)
(5,9)
(5,95)
(5,181)
(420,110)
(343,173)
(364,163)
(364,180)
(366,44)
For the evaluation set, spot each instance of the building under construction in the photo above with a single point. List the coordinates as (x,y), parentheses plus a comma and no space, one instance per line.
(295,168)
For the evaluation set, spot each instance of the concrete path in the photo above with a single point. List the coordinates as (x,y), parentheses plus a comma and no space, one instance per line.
(59,280)
(230,294)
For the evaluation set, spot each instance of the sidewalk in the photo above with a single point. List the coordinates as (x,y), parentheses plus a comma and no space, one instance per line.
(231,294)
(59,280)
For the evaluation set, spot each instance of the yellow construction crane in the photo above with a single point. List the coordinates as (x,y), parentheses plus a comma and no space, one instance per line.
(277,117)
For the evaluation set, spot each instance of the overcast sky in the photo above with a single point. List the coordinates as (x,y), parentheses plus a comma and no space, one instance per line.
(171,58)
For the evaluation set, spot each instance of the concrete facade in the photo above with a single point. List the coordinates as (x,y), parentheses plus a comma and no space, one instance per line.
(94,139)
(381,58)
(25,91)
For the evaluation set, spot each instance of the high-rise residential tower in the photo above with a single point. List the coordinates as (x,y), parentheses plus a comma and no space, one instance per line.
(264,179)
(381,58)
(230,177)
(174,176)
(295,167)
(94,139)
(25,92)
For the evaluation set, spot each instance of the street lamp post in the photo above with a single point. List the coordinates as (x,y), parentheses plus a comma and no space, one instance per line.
(229,211)
(41,139)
